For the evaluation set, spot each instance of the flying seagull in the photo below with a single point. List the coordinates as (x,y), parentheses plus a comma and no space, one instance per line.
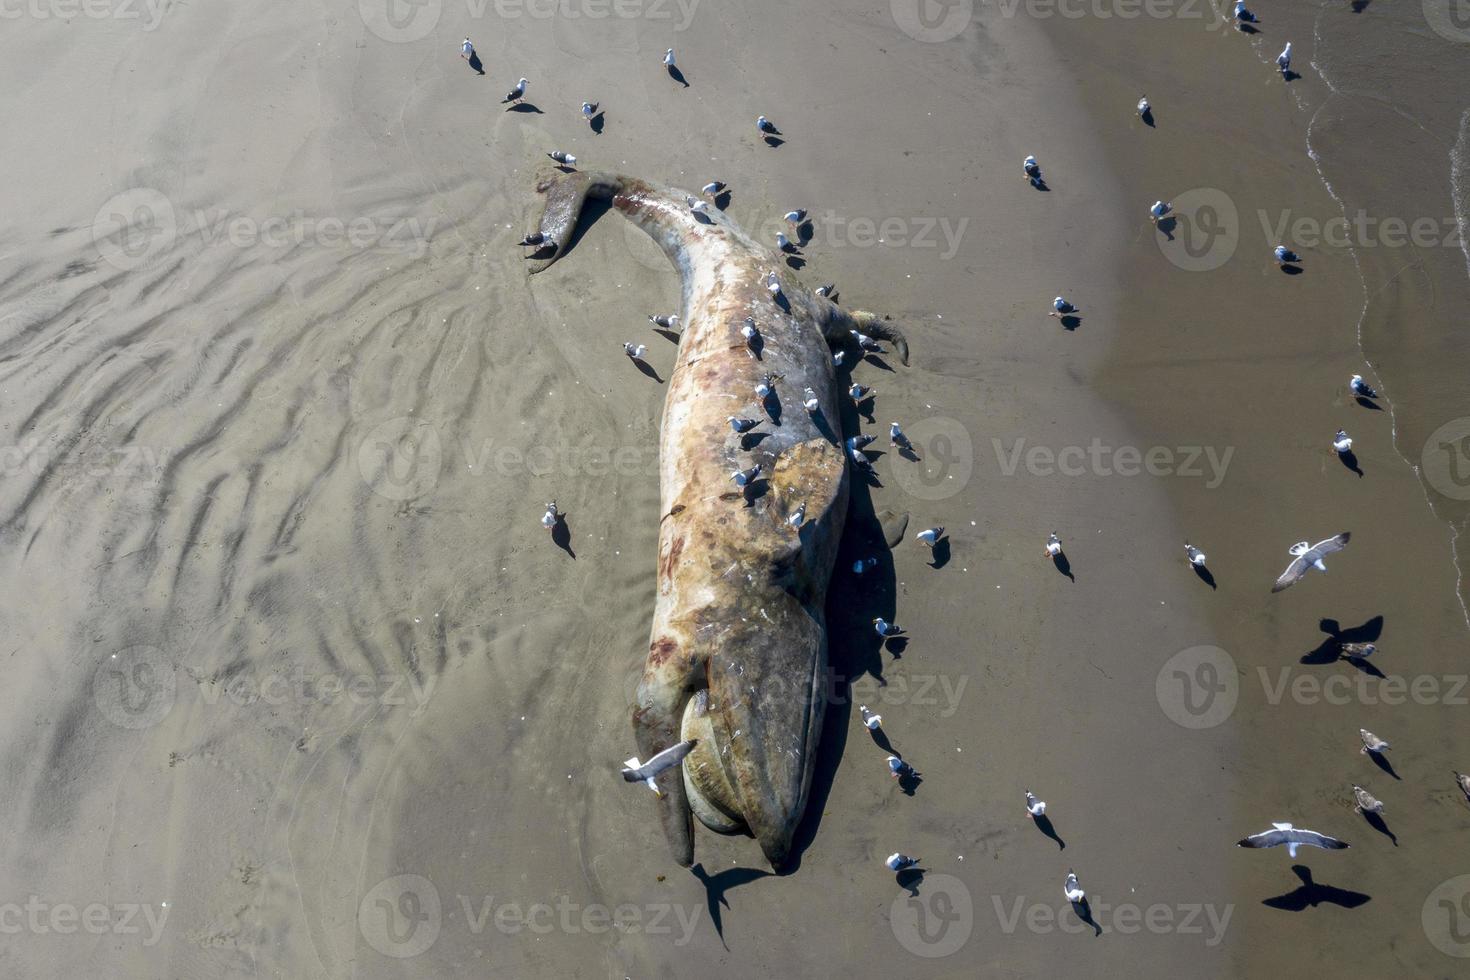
(1309,556)
(1285,833)
(645,772)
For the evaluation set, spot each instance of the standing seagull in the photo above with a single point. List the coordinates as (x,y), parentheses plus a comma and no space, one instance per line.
(884,628)
(1053,546)
(1284,255)
(1462,781)
(764,125)
(467,50)
(1358,651)
(1031,169)
(897,438)
(931,536)
(1143,107)
(1158,210)
(1366,801)
(635,351)
(669,58)
(1242,15)
(670,322)
(1035,807)
(550,518)
(1362,388)
(563,158)
(1072,888)
(809,401)
(798,515)
(1196,557)
(515,94)
(1342,442)
(589,109)
(744,478)
(795,218)
(645,772)
(871,721)
(1283,60)
(1285,833)
(897,861)
(1061,307)
(859,393)
(742,425)
(1371,743)
(1307,556)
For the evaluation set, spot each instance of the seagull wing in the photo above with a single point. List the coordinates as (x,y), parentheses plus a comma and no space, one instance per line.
(1321,548)
(666,759)
(1291,576)
(1277,836)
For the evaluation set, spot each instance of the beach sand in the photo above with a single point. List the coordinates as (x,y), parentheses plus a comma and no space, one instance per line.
(290,653)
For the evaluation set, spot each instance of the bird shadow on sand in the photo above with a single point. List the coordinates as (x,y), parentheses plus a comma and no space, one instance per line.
(1166,226)
(722,199)
(1204,575)
(1364,666)
(1083,911)
(795,261)
(896,645)
(1248,29)
(1310,894)
(1148,117)
(1040,185)
(909,782)
(1044,824)
(528,107)
(647,369)
(1290,76)
(880,739)
(598,123)
(1330,650)
(1063,565)
(749,440)
(476,64)
(1377,822)
(909,879)
(678,75)
(1368,403)
(1358,6)
(940,553)
(878,362)
(774,142)
(1071,322)
(715,887)
(1381,761)
(561,536)
(1350,460)
(669,335)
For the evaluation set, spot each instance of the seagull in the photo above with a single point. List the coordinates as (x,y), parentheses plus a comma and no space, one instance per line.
(1361,388)
(1060,307)
(1292,837)
(744,478)
(809,401)
(1342,442)
(866,343)
(764,125)
(773,283)
(697,206)
(712,188)
(1032,171)
(783,243)
(766,386)
(1196,557)
(860,460)
(645,772)
(860,393)
(1053,546)
(897,768)
(859,441)
(1034,806)
(897,438)
(750,333)
(931,536)
(589,109)
(1158,209)
(884,628)
(798,515)
(837,358)
(1371,743)
(795,217)
(515,94)
(1462,781)
(1242,15)
(1072,889)
(1358,651)
(742,425)
(536,238)
(466,50)
(636,352)
(1366,801)
(565,159)
(549,519)
(864,565)
(825,291)
(1305,556)
(670,322)
(669,57)
(872,722)
(1143,107)
(1285,255)
(1283,60)
(897,862)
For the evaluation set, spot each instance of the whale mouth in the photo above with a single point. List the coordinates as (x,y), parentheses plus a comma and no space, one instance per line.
(708,784)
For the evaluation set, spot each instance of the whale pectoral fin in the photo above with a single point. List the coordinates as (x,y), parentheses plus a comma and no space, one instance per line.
(668,680)
(566,195)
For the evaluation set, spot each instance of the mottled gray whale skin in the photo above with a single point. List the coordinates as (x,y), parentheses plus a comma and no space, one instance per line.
(737,655)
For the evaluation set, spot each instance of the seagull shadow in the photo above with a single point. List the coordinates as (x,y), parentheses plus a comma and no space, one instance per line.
(910,879)
(1369,403)
(722,199)
(1166,226)
(598,123)
(772,404)
(910,781)
(1350,460)
(795,261)
(880,739)
(755,490)
(529,107)
(1039,184)
(715,887)
(1083,910)
(1290,76)
(1364,666)
(1291,269)
(878,362)
(749,440)
(1377,822)
(1248,28)
(907,452)
(561,536)
(1044,824)
(1310,894)
(1071,322)
(756,346)
(804,233)
(1330,650)
(940,553)
(677,75)
(774,142)
(1381,761)
(476,64)
(896,645)
(647,369)
(1148,117)
(865,408)
(1063,565)
(1358,6)
(1204,574)
(669,335)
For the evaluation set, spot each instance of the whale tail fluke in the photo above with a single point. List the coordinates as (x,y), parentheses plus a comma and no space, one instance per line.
(883,328)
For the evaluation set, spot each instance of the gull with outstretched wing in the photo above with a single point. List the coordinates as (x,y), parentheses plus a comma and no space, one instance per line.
(645,772)
(1292,837)
(1305,556)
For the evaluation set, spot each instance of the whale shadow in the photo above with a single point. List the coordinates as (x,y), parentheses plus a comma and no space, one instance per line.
(1310,894)
(647,369)
(1350,460)
(1204,574)
(1044,824)
(677,75)
(717,885)
(1377,822)
(561,536)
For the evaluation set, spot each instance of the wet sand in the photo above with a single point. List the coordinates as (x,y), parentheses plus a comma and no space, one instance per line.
(290,653)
